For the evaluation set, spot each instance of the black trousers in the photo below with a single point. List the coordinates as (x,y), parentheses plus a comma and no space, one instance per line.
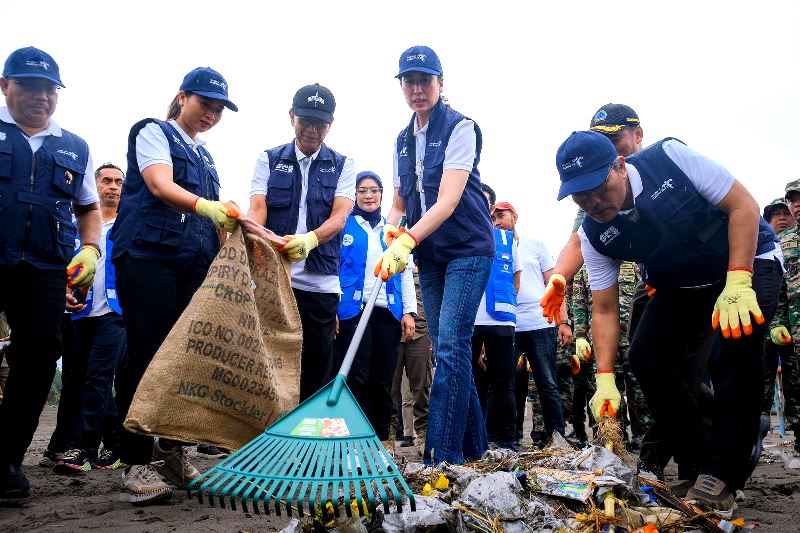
(661,358)
(72,371)
(33,300)
(318,317)
(152,295)
(370,378)
(496,384)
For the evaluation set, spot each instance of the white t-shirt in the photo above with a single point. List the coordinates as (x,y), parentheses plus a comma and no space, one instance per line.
(152,145)
(374,251)
(99,302)
(88,191)
(459,153)
(483,318)
(346,188)
(712,181)
(535,261)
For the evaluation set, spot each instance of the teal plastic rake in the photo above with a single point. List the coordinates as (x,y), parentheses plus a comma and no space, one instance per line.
(324,450)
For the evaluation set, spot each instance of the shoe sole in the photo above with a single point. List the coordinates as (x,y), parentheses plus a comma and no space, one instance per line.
(70,469)
(145,499)
(727,514)
(212,455)
(116,464)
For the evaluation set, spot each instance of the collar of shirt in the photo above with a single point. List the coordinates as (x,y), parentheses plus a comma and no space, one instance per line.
(300,155)
(423,129)
(364,224)
(188,140)
(52,128)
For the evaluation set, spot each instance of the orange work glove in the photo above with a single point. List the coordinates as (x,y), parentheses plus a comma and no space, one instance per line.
(553,298)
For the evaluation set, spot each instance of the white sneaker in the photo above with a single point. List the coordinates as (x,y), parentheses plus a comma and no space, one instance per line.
(142,485)
(174,465)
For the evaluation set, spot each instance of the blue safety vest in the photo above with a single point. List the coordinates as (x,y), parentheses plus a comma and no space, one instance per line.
(283,199)
(468,231)
(501,297)
(110,275)
(679,236)
(355,242)
(36,196)
(147,228)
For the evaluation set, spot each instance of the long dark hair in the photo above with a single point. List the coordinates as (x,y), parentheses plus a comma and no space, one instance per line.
(174,110)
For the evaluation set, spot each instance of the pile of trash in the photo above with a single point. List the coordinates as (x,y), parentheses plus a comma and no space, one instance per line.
(556,489)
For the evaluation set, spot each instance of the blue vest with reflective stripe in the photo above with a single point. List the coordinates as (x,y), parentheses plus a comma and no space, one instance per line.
(36,196)
(351,273)
(501,298)
(468,231)
(110,283)
(283,199)
(149,229)
(679,236)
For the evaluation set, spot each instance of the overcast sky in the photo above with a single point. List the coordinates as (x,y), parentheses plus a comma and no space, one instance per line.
(721,76)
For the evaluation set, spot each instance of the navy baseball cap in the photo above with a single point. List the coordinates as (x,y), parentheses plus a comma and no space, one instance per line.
(582,161)
(419,59)
(31,62)
(315,102)
(207,82)
(611,118)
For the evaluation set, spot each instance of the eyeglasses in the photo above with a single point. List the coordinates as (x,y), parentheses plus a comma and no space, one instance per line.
(312,123)
(35,85)
(372,190)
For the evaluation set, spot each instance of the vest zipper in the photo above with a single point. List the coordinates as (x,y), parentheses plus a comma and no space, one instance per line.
(30,206)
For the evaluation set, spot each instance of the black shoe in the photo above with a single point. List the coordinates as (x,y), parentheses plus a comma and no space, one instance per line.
(209,450)
(406,442)
(73,462)
(13,483)
(634,445)
(50,459)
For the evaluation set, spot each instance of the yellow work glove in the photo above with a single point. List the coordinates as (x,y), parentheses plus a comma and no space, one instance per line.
(395,258)
(575,363)
(389,234)
(80,271)
(583,349)
(735,304)
(299,246)
(780,335)
(606,391)
(223,216)
(553,298)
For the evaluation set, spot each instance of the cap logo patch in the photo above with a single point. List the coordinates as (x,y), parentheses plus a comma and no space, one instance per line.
(220,84)
(73,155)
(414,57)
(601,115)
(576,162)
(316,98)
(43,64)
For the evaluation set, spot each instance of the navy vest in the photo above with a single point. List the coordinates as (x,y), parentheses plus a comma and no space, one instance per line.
(283,199)
(680,237)
(468,231)
(351,273)
(110,274)
(501,297)
(36,224)
(146,228)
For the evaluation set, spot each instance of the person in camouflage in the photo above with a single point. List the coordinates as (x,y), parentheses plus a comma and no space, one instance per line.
(634,412)
(785,326)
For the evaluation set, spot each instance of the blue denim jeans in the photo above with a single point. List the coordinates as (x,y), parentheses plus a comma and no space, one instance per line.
(451,293)
(539,346)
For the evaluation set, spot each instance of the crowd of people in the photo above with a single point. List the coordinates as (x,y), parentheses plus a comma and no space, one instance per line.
(675,323)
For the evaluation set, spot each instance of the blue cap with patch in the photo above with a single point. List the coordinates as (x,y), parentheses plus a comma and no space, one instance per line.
(207,82)
(419,59)
(582,161)
(31,62)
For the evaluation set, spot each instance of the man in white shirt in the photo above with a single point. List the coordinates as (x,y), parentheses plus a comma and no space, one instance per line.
(304,190)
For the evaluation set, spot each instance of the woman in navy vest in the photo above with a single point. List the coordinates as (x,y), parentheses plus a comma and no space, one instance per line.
(438,188)
(371,375)
(165,238)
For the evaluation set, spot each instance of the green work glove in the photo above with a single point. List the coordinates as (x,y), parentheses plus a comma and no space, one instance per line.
(80,271)
(395,258)
(223,216)
(553,298)
(606,391)
(299,246)
(735,304)
(583,349)
(780,335)
(389,234)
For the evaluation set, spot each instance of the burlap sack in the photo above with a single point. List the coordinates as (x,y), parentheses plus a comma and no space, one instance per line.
(231,364)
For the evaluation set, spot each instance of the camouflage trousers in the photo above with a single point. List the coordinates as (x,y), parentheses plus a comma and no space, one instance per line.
(633,408)
(790,373)
(565,388)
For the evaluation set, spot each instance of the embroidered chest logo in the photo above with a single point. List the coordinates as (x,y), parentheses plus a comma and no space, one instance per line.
(208,162)
(178,141)
(435,144)
(73,155)
(283,167)
(608,236)
(328,170)
(664,186)
(403,152)
(347,240)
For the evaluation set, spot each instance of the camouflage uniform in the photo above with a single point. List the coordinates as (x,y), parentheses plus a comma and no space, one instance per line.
(787,315)
(626,382)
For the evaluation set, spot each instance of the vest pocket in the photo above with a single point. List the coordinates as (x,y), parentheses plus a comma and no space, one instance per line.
(67,173)
(161,227)
(279,191)
(6,157)
(327,188)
